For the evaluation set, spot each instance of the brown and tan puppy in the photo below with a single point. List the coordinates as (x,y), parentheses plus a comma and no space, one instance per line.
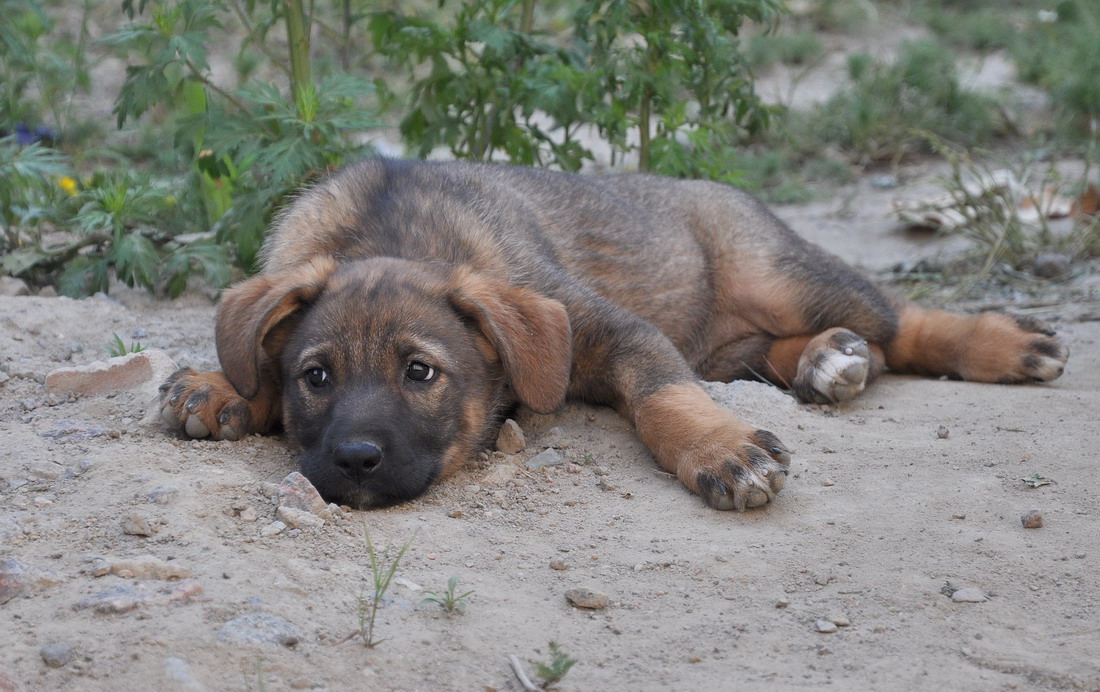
(405,307)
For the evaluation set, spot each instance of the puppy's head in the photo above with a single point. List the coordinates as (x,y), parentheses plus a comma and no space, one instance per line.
(394,372)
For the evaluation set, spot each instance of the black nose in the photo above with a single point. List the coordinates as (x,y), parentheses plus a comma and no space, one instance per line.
(356,459)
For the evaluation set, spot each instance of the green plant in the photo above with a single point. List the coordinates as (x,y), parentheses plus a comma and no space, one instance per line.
(480,82)
(882,115)
(983,29)
(788,49)
(448,599)
(990,203)
(370,598)
(42,71)
(247,147)
(1061,54)
(29,192)
(552,672)
(117,347)
(663,79)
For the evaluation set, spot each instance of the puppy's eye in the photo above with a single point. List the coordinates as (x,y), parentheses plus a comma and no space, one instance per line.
(420,372)
(317,378)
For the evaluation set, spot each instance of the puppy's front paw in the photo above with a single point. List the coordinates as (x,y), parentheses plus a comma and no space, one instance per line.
(742,471)
(204,404)
(834,367)
(730,464)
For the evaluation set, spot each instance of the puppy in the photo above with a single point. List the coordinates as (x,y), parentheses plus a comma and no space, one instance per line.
(404,307)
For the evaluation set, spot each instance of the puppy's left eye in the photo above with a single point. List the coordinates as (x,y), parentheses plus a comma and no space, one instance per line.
(420,372)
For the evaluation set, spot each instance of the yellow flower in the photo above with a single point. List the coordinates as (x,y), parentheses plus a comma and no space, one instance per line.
(69,185)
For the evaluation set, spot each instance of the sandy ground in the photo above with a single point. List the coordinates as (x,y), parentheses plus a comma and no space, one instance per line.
(897,501)
(882,519)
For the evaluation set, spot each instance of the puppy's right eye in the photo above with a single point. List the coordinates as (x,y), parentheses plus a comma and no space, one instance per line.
(317,378)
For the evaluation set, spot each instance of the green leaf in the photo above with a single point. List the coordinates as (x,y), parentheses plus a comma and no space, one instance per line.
(1035,480)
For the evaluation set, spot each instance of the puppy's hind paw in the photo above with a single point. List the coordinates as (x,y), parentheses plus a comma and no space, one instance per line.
(835,366)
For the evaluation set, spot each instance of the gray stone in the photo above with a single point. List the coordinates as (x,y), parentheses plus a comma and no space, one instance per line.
(163,494)
(13,578)
(548,457)
(11,286)
(1032,520)
(1049,265)
(67,430)
(56,654)
(824,626)
(969,594)
(273,529)
(123,598)
(46,470)
(259,629)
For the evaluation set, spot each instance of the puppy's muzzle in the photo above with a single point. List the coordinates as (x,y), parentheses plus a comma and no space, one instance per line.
(357,459)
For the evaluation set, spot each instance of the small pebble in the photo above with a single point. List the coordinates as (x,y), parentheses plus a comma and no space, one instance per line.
(163,494)
(295,491)
(969,595)
(1052,266)
(248,514)
(56,654)
(175,670)
(942,432)
(260,628)
(824,626)
(510,439)
(1032,520)
(587,598)
(558,564)
(299,518)
(14,578)
(273,529)
(886,181)
(137,524)
(782,603)
(839,619)
(548,457)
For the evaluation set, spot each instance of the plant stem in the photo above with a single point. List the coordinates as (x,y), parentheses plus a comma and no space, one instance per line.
(297,29)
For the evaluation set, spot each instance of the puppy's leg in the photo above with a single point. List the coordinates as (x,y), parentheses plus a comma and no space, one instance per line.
(989,347)
(204,404)
(624,361)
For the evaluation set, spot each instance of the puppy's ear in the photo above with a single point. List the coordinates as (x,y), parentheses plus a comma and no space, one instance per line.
(250,313)
(529,331)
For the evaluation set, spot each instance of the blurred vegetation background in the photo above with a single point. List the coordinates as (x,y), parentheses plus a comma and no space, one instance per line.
(152,141)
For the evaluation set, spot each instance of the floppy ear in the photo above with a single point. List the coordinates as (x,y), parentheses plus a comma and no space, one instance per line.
(529,331)
(250,312)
